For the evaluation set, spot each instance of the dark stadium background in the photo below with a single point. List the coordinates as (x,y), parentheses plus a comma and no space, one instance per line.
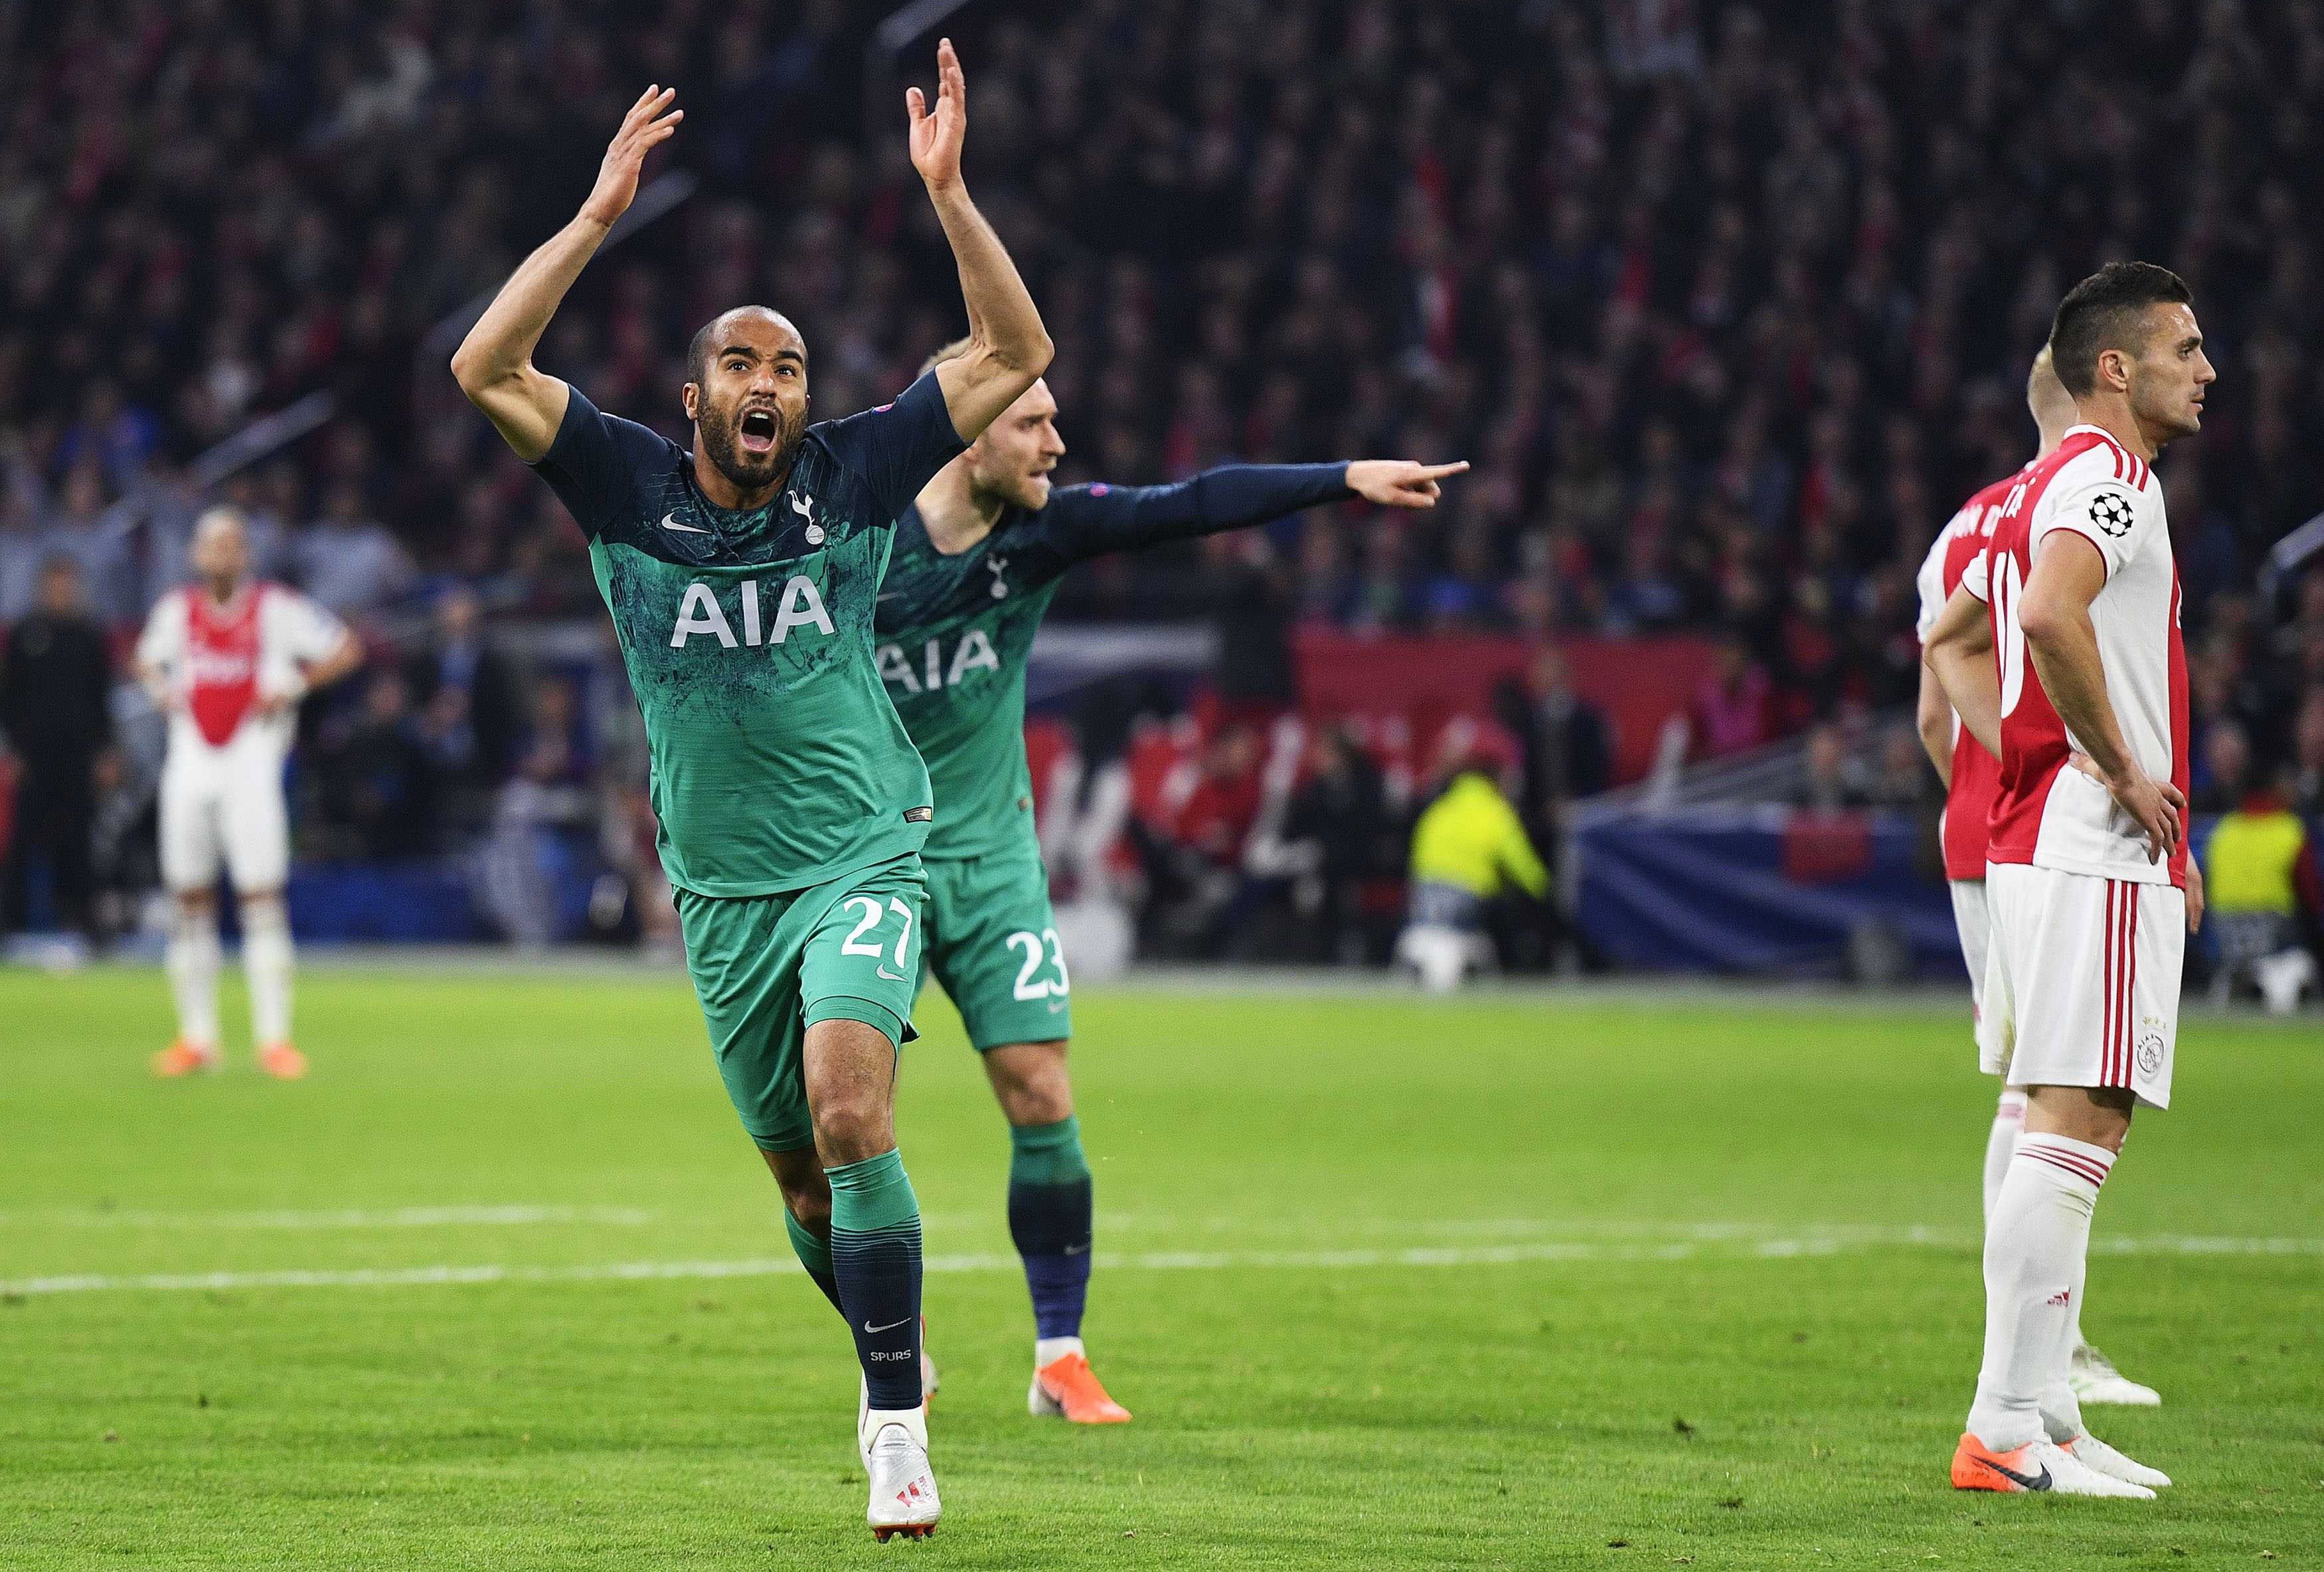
(1728,305)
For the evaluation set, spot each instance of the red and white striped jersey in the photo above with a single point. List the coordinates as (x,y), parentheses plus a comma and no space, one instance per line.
(1976,774)
(2047,813)
(221,660)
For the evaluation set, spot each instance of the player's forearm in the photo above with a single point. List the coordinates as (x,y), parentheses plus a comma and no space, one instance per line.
(500,344)
(1001,316)
(338,663)
(1234,496)
(1959,652)
(1934,718)
(1972,689)
(2064,650)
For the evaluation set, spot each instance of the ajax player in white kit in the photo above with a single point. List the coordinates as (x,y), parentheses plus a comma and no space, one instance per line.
(227,660)
(2073,673)
(1972,778)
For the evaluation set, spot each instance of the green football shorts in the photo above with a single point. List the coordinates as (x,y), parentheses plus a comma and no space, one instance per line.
(992,943)
(766,967)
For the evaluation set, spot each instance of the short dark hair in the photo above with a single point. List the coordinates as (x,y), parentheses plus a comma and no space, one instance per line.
(2098,314)
(700,347)
(697,351)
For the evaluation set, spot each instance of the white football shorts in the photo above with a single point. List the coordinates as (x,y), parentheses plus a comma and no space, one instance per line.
(2081,981)
(1969,921)
(224,807)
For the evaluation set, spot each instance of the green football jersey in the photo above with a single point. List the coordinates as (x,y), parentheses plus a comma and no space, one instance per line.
(955,632)
(777,762)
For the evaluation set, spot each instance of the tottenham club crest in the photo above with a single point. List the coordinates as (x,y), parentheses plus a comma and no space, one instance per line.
(805,508)
(2111,511)
(1000,586)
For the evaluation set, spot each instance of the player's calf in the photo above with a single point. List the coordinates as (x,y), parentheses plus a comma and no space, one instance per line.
(192,960)
(806,1215)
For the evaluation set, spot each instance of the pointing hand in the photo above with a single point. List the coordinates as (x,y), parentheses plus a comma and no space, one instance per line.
(1398,482)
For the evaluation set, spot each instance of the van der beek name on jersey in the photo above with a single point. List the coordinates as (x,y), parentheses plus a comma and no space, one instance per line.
(700,615)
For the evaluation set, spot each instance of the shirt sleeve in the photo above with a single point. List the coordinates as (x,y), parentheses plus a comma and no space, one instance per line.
(1931,581)
(1976,577)
(2107,513)
(1091,521)
(162,644)
(897,446)
(306,630)
(593,464)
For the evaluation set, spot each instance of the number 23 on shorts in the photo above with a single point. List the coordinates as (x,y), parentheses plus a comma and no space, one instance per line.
(870,914)
(1035,948)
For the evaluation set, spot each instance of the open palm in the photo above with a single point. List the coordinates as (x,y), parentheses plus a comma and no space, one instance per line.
(937,137)
(644,128)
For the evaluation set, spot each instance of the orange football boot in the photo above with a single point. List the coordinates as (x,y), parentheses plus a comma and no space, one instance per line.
(184,1058)
(1067,1388)
(1977,1467)
(283,1062)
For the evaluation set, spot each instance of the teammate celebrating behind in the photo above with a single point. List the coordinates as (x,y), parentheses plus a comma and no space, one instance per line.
(979,557)
(741,576)
(228,661)
(2083,698)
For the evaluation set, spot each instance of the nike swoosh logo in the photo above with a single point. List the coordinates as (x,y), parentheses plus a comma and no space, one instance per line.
(1056,1004)
(890,595)
(2028,1481)
(1076,1250)
(892,1326)
(669,521)
(891,976)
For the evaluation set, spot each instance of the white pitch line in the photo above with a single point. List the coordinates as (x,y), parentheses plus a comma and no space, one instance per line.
(346,1217)
(1774,1248)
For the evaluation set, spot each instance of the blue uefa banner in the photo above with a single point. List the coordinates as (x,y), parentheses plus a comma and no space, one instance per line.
(1771,891)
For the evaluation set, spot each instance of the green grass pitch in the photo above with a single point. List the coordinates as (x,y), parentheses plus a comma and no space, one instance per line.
(1611,1280)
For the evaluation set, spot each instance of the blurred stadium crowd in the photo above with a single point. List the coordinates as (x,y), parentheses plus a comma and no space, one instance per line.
(1730,305)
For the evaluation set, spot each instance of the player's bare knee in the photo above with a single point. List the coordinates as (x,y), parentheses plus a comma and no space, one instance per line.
(852,1129)
(2098,1115)
(194,902)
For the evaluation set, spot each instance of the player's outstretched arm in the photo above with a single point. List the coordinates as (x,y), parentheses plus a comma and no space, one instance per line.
(2054,614)
(1091,520)
(494,364)
(1008,347)
(1959,653)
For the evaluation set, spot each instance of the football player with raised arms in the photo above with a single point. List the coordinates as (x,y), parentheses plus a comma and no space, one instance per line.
(978,557)
(2061,653)
(227,658)
(1971,777)
(740,574)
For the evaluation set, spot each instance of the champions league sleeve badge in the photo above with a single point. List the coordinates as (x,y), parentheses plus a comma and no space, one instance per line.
(2112,511)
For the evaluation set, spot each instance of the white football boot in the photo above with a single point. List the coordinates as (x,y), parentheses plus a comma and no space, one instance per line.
(863,1393)
(903,1486)
(2087,1448)
(2094,1379)
(2037,1466)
